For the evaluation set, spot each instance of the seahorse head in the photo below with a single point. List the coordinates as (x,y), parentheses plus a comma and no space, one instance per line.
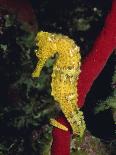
(46,48)
(55,42)
(50,43)
(46,44)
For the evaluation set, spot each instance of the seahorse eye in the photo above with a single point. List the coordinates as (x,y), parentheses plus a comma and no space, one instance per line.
(36,48)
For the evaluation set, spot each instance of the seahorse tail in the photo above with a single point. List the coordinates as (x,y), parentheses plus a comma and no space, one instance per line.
(77,122)
(75,117)
(58,125)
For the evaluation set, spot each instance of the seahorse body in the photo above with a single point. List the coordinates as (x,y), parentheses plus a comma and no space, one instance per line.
(64,77)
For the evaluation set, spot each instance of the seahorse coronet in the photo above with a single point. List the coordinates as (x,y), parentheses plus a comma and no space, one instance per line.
(66,71)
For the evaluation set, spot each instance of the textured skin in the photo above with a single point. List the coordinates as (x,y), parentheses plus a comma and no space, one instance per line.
(91,68)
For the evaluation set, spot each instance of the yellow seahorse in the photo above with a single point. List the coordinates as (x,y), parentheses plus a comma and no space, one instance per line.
(64,77)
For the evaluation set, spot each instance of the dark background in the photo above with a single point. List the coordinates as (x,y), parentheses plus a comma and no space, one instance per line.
(26,103)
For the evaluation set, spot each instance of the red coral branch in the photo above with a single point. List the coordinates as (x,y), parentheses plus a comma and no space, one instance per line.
(91,68)
(98,56)
(61,139)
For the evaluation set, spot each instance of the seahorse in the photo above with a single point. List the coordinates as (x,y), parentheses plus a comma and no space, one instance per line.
(66,71)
